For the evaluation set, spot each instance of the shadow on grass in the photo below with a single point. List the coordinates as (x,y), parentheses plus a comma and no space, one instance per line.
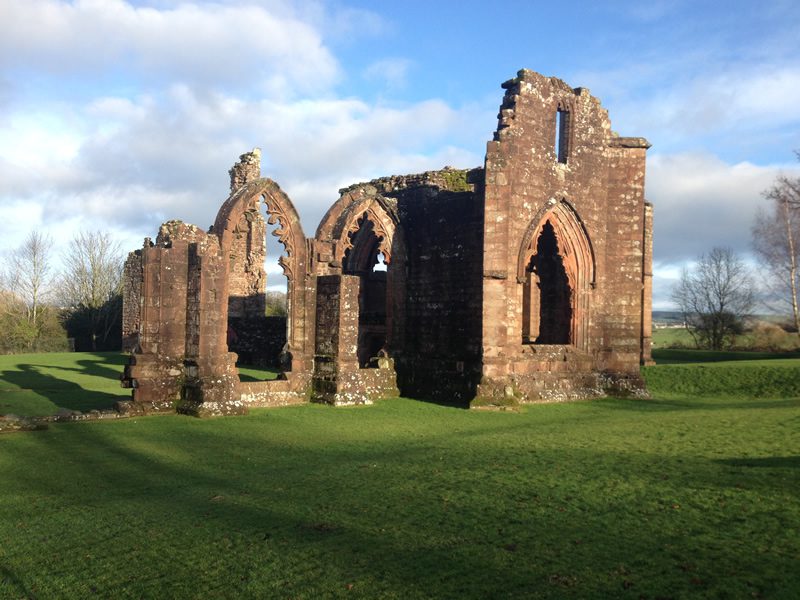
(773,462)
(443,402)
(219,505)
(263,516)
(683,403)
(99,367)
(17,584)
(62,392)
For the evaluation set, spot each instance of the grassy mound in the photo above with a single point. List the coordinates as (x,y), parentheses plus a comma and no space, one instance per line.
(731,374)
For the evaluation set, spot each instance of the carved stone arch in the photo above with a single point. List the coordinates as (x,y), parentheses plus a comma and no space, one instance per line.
(577,255)
(566,104)
(281,211)
(568,226)
(367,218)
(359,226)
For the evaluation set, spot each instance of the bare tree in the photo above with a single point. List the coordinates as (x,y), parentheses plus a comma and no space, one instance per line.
(90,286)
(776,241)
(715,298)
(28,320)
(28,275)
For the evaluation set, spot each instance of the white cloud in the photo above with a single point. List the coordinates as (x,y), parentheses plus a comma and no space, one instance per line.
(129,164)
(704,95)
(118,115)
(391,72)
(701,202)
(244,46)
(744,100)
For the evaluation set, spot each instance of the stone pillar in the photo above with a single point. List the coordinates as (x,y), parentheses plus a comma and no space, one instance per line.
(247,278)
(647,287)
(212,382)
(335,379)
(131,300)
(155,371)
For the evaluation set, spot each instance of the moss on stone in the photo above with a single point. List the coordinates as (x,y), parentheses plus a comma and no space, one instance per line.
(456,180)
(494,402)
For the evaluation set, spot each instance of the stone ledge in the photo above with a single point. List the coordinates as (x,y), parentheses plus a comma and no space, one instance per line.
(14,423)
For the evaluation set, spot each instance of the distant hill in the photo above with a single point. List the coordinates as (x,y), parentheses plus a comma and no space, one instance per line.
(667,317)
(671,318)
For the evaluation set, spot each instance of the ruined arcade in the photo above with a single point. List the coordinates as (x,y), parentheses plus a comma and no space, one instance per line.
(526,280)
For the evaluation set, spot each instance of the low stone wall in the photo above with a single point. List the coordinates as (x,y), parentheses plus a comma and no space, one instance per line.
(14,423)
(263,394)
(358,386)
(440,380)
(541,373)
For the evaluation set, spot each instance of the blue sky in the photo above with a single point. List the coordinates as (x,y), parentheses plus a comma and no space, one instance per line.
(118,115)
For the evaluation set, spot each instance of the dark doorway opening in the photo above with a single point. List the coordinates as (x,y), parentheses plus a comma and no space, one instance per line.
(366,261)
(547,299)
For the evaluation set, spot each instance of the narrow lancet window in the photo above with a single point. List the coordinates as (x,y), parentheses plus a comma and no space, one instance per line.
(562,129)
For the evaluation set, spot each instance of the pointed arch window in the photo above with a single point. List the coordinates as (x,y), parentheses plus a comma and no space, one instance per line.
(556,273)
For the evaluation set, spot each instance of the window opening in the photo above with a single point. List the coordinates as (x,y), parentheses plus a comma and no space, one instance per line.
(258,323)
(547,297)
(380,264)
(366,260)
(562,128)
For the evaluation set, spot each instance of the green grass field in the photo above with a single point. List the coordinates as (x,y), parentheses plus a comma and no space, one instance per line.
(36,385)
(40,384)
(689,494)
(665,337)
(677,337)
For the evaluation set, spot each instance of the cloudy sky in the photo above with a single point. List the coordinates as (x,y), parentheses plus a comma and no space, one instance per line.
(117,115)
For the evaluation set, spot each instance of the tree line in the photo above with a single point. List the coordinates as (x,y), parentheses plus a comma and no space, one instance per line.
(718,295)
(78,307)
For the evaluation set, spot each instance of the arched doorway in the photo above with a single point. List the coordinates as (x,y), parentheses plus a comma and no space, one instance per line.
(246,219)
(368,258)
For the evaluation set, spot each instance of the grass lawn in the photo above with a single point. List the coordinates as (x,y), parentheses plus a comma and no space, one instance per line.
(40,384)
(664,337)
(685,495)
(252,373)
(35,385)
(669,337)
(749,375)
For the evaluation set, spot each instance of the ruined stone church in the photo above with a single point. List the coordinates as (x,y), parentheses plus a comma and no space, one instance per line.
(526,280)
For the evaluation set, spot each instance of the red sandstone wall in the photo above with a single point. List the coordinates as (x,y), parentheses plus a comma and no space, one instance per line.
(131,300)
(602,179)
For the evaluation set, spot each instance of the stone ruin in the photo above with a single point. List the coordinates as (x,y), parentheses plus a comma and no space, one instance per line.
(523,281)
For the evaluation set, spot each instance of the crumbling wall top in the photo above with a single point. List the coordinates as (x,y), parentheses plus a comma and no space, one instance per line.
(178,230)
(448,178)
(382,190)
(246,170)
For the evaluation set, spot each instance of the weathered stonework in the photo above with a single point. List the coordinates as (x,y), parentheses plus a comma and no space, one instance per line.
(586,192)
(132,296)
(528,280)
